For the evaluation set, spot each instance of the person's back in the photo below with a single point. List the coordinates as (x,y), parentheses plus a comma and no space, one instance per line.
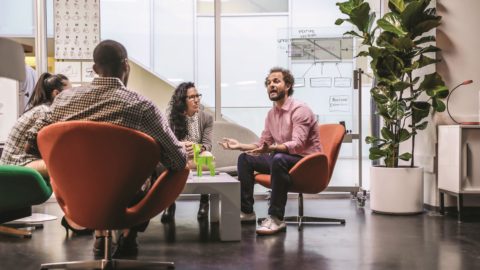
(14,153)
(45,91)
(108,100)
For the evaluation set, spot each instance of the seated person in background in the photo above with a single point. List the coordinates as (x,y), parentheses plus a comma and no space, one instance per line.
(190,125)
(290,133)
(45,91)
(107,99)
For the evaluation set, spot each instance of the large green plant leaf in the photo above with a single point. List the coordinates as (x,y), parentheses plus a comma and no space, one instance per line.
(414,13)
(396,6)
(379,96)
(391,23)
(404,135)
(425,61)
(347,7)
(376,153)
(405,156)
(397,109)
(387,66)
(400,85)
(420,110)
(438,105)
(359,14)
(387,134)
(424,40)
(434,86)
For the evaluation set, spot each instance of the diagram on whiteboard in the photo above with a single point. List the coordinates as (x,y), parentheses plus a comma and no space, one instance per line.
(77,28)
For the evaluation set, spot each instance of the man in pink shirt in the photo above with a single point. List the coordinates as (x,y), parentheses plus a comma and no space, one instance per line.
(290,133)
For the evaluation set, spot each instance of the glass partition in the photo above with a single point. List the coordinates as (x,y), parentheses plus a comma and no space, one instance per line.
(129,22)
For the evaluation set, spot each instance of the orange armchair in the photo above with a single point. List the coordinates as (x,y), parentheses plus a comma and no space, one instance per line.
(313,172)
(96,169)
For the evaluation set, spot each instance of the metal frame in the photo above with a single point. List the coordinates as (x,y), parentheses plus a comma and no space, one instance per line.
(301,219)
(108,262)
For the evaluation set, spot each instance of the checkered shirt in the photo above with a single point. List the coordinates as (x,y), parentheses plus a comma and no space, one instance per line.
(108,100)
(14,151)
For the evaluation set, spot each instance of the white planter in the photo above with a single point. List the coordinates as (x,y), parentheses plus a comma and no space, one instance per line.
(396,190)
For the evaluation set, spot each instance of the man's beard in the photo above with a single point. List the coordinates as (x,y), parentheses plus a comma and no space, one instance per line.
(280,95)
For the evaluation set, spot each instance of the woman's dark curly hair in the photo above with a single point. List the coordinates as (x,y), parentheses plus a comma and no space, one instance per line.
(178,107)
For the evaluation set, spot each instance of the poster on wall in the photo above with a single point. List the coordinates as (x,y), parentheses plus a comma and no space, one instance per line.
(77,28)
(70,69)
(8,106)
(87,72)
(339,103)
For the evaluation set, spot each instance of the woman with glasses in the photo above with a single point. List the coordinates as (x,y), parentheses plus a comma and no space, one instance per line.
(190,125)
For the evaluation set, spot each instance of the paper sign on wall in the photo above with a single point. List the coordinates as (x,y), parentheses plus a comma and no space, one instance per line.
(70,69)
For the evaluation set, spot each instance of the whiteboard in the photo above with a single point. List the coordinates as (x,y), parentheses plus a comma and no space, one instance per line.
(8,106)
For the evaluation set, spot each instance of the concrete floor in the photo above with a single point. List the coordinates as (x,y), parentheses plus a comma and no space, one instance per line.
(367,241)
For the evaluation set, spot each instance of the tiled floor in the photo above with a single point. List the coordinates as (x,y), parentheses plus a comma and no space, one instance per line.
(367,241)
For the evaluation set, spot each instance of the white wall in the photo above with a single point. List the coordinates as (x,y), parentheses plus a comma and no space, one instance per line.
(459,41)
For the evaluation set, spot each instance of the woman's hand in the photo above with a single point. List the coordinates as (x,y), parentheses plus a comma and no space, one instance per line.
(229,144)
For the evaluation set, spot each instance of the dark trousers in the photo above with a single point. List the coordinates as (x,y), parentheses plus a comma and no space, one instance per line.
(277,165)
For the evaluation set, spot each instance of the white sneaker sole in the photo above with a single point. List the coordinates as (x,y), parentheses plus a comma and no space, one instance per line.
(271,232)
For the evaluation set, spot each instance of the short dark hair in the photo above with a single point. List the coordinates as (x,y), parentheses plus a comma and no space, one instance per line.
(109,55)
(287,77)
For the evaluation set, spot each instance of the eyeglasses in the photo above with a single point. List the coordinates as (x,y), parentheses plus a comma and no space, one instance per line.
(193,97)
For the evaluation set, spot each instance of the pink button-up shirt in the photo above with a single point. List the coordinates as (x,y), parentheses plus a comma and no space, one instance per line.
(293,125)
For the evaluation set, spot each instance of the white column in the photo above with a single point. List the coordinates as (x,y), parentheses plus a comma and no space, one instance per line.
(40,9)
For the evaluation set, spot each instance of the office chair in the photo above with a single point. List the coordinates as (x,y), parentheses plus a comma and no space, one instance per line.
(96,169)
(313,173)
(20,188)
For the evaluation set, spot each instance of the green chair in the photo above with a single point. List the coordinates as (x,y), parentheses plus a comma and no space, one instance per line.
(20,188)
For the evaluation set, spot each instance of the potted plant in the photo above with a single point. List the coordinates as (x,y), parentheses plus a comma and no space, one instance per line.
(404,99)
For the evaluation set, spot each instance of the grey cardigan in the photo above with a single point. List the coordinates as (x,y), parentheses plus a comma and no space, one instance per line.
(205,122)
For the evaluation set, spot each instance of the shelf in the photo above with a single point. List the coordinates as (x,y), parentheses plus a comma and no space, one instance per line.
(349,137)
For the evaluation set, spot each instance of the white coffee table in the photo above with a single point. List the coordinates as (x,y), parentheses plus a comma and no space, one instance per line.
(224,193)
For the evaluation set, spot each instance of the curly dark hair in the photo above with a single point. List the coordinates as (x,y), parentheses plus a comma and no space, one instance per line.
(178,106)
(287,78)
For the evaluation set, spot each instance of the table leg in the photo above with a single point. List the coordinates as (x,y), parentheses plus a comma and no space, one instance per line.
(230,229)
(442,203)
(460,207)
(214,207)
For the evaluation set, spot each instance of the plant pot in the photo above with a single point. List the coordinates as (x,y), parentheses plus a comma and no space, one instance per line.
(396,190)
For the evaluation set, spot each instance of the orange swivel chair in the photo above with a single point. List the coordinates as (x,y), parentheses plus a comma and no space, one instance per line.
(313,173)
(96,169)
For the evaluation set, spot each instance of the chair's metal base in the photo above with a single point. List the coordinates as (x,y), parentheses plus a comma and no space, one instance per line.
(301,219)
(108,264)
(15,232)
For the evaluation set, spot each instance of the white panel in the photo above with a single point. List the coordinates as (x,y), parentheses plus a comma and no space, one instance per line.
(16,18)
(247,57)
(128,22)
(174,40)
(206,60)
(315,13)
(8,106)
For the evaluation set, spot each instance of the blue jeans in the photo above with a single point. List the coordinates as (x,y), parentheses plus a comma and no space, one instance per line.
(277,165)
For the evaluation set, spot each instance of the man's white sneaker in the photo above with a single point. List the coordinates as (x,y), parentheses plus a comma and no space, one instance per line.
(248,217)
(271,225)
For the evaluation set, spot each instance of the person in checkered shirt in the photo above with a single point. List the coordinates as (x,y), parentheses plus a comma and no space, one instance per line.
(46,89)
(107,99)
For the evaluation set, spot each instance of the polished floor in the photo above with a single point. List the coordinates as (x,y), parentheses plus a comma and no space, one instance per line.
(367,241)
